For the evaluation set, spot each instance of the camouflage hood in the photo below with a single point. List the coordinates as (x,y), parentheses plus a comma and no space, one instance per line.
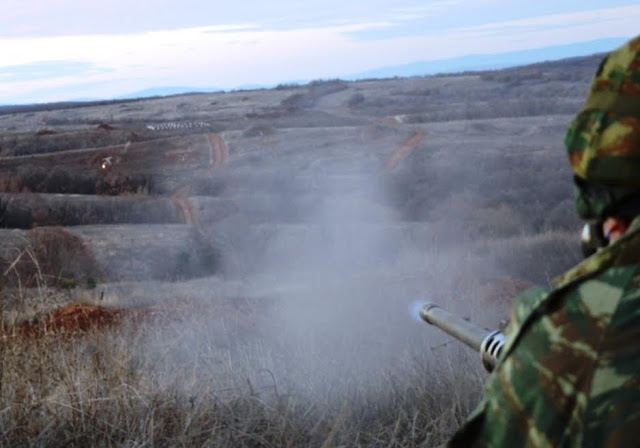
(603,142)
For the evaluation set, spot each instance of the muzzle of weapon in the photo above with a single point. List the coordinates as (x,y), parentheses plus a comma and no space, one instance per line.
(488,343)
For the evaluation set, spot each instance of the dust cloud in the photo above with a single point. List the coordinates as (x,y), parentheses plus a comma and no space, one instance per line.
(332,253)
(327,309)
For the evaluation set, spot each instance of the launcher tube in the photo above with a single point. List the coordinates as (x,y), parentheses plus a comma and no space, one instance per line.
(488,343)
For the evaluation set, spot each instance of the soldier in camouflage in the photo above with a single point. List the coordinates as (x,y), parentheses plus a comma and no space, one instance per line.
(570,370)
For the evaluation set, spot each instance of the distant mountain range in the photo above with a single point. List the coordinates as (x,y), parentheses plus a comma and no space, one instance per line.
(166,91)
(475,62)
(478,62)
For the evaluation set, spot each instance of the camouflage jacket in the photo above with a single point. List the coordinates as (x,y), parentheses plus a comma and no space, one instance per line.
(570,370)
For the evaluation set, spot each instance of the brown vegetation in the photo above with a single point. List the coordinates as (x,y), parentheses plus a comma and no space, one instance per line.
(45,132)
(51,256)
(78,320)
(72,320)
(483,212)
(105,127)
(94,378)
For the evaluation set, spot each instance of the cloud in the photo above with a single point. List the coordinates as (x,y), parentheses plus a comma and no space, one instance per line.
(234,54)
(75,17)
(45,70)
(230,28)
(444,19)
(420,11)
(622,15)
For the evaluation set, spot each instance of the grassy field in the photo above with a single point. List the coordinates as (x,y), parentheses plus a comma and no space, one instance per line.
(242,270)
(204,384)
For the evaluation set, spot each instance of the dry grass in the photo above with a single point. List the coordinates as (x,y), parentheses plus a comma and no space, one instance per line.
(205,380)
(228,375)
(347,373)
(50,256)
(223,375)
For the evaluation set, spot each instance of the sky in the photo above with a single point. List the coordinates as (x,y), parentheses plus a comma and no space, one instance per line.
(57,50)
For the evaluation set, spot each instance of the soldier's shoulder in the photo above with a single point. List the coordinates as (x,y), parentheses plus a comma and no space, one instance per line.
(600,292)
(527,302)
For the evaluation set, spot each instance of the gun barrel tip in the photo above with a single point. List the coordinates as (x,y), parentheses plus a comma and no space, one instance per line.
(424,311)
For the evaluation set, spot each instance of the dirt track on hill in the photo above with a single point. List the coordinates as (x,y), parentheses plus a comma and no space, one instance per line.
(219,152)
(404,150)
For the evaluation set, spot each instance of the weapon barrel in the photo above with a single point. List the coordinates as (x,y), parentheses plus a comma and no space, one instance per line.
(488,343)
(459,328)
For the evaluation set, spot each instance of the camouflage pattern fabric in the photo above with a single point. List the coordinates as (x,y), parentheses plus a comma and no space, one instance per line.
(603,142)
(570,371)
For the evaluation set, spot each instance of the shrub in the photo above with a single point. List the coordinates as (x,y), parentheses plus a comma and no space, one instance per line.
(58,180)
(298,101)
(39,179)
(320,88)
(205,260)
(356,100)
(32,177)
(53,256)
(128,184)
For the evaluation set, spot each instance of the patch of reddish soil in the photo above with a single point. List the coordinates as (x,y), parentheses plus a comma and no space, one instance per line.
(72,319)
(77,320)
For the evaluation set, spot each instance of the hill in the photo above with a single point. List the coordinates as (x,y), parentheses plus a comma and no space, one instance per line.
(245,261)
